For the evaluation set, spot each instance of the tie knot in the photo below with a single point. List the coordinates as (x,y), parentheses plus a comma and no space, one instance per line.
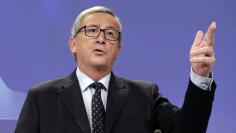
(98,86)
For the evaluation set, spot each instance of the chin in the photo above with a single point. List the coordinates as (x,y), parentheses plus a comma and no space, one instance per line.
(99,63)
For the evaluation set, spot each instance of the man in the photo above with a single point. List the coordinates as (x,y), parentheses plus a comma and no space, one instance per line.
(93,100)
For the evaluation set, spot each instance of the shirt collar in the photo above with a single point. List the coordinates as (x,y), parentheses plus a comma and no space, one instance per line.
(85,80)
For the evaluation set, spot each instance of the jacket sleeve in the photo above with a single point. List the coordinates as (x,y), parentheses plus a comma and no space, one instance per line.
(194,115)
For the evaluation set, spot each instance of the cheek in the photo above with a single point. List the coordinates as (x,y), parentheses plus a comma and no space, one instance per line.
(83,48)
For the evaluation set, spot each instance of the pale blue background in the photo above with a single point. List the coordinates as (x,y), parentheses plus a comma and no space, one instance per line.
(157,37)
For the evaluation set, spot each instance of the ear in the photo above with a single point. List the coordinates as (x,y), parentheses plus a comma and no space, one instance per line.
(72,45)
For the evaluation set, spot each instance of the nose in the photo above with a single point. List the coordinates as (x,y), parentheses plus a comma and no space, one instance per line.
(101,38)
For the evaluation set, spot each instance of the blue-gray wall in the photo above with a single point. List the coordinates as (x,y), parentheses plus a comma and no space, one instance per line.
(157,36)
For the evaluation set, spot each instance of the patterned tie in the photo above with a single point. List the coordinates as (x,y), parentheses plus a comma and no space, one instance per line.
(98,111)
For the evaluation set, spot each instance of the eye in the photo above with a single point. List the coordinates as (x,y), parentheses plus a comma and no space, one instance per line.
(110,33)
(92,29)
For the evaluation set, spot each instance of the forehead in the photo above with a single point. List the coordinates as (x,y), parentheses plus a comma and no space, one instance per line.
(103,20)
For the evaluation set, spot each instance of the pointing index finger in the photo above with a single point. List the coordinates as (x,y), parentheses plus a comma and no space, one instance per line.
(210,34)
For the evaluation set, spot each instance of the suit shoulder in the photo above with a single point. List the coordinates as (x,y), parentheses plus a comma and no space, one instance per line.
(140,88)
(138,83)
(49,85)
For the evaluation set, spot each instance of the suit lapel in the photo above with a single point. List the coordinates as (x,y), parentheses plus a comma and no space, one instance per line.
(117,95)
(71,96)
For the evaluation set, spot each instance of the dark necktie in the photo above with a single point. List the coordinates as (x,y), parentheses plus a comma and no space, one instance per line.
(98,111)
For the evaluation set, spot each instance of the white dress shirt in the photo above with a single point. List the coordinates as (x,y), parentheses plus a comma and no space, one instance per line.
(202,82)
(87,92)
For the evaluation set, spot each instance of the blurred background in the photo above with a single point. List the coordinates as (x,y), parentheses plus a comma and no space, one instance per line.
(157,36)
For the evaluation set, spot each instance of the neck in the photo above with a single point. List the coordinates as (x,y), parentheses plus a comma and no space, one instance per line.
(94,73)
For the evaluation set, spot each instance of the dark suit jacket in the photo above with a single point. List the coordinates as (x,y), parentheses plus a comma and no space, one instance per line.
(132,107)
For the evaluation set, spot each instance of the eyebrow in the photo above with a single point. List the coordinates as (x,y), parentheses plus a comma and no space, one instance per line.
(108,27)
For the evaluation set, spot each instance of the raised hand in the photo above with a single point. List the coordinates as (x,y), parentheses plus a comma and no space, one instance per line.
(202,56)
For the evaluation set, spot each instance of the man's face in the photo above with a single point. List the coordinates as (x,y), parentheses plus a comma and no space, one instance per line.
(96,52)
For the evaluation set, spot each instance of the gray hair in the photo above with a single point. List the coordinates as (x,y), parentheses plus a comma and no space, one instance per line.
(95,9)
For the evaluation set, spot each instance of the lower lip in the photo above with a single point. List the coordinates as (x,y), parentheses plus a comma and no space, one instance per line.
(99,52)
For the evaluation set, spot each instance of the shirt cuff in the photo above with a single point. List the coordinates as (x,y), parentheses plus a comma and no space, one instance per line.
(200,81)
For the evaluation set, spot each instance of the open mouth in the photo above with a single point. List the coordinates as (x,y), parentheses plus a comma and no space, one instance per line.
(99,51)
